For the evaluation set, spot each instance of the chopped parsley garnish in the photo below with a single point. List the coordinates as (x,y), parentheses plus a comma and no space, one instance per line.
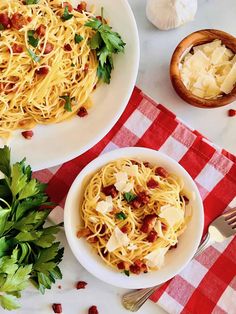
(33,55)
(130,196)
(78,38)
(105,42)
(66,15)
(1,27)
(121,216)
(68,101)
(31,39)
(72,64)
(28,251)
(31,2)
(126,272)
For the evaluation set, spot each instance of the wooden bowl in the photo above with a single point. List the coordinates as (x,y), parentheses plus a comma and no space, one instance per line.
(194,39)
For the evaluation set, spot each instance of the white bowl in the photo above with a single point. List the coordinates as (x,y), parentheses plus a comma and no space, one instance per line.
(57,143)
(175,259)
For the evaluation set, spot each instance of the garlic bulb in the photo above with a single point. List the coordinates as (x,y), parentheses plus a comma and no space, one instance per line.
(167,14)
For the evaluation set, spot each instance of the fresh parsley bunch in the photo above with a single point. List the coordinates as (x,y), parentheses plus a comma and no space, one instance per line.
(27,249)
(106,42)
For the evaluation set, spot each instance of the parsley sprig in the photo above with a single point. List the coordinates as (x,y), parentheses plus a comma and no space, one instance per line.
(28,251)
(106,42)
(68,102)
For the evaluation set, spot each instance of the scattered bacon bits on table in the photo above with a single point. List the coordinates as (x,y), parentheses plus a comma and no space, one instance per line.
(27,134)
(231,112)
(82,112)
(57,308)
(93,310)
(81,285)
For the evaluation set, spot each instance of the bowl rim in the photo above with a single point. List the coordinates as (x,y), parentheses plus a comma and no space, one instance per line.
(197,38)
(111,276)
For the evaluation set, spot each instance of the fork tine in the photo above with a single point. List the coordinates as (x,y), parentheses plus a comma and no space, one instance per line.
(230,214)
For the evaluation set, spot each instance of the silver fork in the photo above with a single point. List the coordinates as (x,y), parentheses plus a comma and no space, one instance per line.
(220,229)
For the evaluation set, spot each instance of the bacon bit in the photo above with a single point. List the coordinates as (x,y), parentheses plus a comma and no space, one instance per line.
(95,86)
(100,18)
(29,19)
(148,223)
(163,226)
(57,308)
(82,7)
(160,171)
(18,20)
(8,87)
(147,164)
(67,47)
(92,240)
(143,197)
(48,48)
(103,229)
(41,30)
(85,232)
(125,228)
(86,67)
(123,265)
(152,184)
(82,112)
(186,199)
(59,286)
(17,48)
(42,71)
(103,252)
(231,112)
(110,190)
(27,134)
(81,285)
(152,236)
(134,162)
(69,5)
(5,20)
(135,269)
(173,246)
(136,203)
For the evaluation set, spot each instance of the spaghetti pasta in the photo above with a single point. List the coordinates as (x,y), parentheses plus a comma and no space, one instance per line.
(133,213)
(47,67)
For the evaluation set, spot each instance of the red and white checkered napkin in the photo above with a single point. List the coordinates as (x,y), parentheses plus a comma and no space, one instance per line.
(208,283)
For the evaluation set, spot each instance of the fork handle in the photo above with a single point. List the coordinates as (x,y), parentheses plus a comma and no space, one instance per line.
(132,301)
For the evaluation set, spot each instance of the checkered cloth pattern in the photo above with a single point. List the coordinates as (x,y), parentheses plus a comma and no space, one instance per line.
(208,283)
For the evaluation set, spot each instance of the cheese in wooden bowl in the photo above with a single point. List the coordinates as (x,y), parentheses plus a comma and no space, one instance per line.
(203,69)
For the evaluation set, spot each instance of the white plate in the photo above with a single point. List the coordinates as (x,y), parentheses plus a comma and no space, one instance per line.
(54,144)
(175,259)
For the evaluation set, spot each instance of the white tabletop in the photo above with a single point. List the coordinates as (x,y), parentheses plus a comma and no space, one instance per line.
(156,50)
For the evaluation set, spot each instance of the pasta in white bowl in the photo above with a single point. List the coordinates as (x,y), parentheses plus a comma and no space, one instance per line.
(133,211)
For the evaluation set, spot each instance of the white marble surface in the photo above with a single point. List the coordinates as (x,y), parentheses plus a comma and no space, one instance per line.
(156,49)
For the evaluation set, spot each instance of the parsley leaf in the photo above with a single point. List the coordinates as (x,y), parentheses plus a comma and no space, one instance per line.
(1,27)
(66,15)
(121,216)
(130,197)
(5,161)
(31,39)
(68,100)
(27,249)
(126,272)
(27,2)
(33,55)
(9,302)
(106,42)
(78,38)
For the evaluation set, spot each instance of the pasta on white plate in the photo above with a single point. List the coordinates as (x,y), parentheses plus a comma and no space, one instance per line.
(133,213)
(50,61)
